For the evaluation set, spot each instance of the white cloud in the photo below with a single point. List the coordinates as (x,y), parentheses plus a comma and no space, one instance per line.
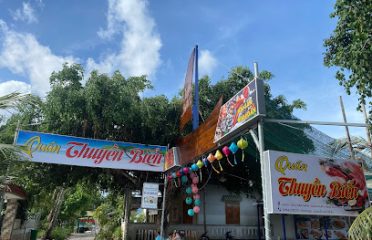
(207,63)
(140,44)
(22,54)
(14,86)
(26,13)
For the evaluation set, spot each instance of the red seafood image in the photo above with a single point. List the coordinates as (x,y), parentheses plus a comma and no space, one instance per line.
(349,186)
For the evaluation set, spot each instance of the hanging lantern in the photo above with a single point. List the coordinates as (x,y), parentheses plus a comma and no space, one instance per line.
(185,170)
(200,164)
(227,152)
(242,144)
(196,209)
(218,155)
(197,202)
(195,180)
(194,167)
(188,190)
(184,179)
(196,196)
(169,177)
(188,200)
(174,175)
(205,161)
(178,174)
(234,148)
(195,190)
(211,158)
(190,212)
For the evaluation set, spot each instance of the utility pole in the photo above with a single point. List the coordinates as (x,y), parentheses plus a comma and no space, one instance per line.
(347,130)
(262,149)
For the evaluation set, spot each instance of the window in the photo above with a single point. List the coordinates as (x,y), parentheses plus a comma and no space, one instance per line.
(232,212)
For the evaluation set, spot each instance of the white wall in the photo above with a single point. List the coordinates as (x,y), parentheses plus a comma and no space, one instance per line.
(215,207)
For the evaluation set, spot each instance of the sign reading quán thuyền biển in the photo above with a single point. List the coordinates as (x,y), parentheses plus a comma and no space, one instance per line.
(59,149)
(311,185)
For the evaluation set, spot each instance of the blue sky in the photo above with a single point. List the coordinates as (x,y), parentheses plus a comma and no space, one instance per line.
(156,38)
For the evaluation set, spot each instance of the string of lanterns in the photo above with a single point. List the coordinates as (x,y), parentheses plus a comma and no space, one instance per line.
(186,174)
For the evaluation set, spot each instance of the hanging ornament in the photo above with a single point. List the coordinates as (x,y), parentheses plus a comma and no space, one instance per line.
(184,179)
(227,152)
(211,158)
(200,164)
(197,202)
(196,209)
(195,180)
(196,196)
(169,177)
(186,170)
(188,190)
(178,174)
(194,167)
(195,190)
(234,148)
(190,212)
(242,144)
(205,161)
(188,200)
(218,155)
(174,175)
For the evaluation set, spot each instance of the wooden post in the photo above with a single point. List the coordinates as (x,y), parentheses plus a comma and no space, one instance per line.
(127,206)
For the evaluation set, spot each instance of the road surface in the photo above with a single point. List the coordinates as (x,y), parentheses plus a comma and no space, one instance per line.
(82,236)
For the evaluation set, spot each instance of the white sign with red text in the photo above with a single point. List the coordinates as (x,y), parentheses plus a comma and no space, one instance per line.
(59,149)
(311,185)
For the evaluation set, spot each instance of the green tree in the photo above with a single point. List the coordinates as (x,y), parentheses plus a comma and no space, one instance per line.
(349,47)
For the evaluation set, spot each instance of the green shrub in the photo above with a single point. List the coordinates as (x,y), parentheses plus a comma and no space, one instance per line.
(60,233)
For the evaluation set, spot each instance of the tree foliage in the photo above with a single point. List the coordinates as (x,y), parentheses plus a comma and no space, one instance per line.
(349,47)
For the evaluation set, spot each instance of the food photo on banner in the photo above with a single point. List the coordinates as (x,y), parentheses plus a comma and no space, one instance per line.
(67,150)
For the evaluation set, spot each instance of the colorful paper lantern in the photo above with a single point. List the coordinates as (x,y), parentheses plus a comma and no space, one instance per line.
(200,164)
(242,144)
(227,153)
(188,200)
(197,202)
(194,167)
(218,155)
(169,177)
(205,161)
(186,170)
(196,196)
(174,175)
(234,148)
(190,212)
(184,179)
(196,209)
(188,190)
(195,190)
(211,158)
(178,174)
(195,180)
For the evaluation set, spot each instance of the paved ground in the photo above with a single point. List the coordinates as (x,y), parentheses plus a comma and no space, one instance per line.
(82,236)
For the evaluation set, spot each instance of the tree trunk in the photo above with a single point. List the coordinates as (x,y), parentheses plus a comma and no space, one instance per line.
(128,203)
(59,196)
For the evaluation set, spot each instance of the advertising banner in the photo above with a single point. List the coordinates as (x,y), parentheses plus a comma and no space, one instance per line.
(150,196)
(241,110)
(59,149)
(171,158)
(187,93)
(311,185)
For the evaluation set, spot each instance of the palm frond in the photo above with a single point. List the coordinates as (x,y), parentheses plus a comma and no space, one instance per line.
(12,100)
(362,226)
